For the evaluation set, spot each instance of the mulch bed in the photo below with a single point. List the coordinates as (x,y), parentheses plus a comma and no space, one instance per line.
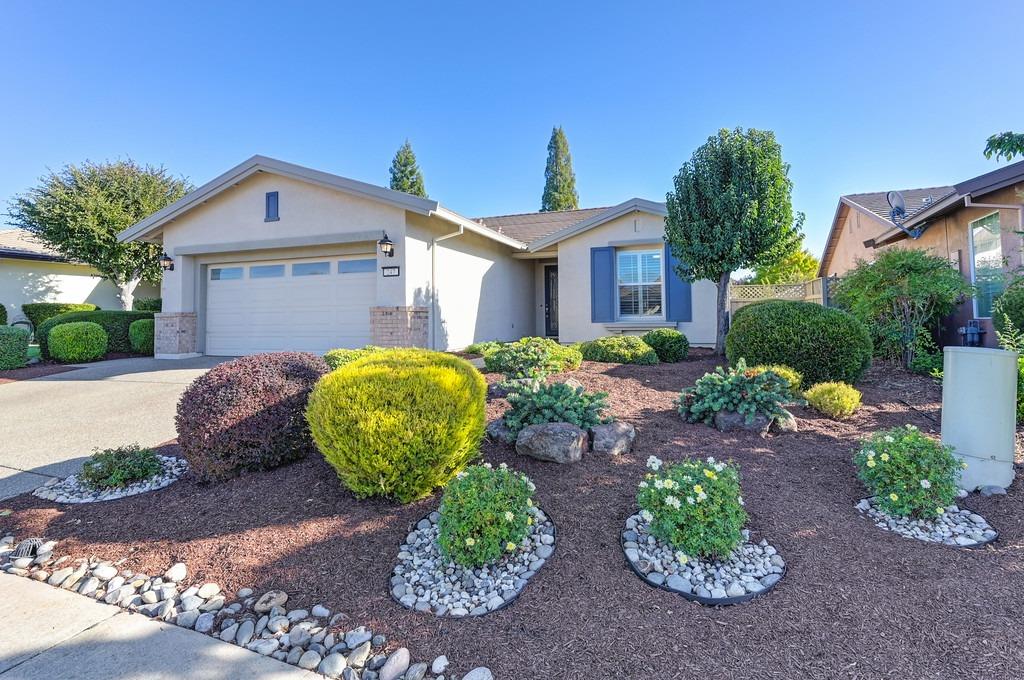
(40,370)
(856,602)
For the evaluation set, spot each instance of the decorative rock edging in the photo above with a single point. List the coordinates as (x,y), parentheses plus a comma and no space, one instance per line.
(423,581)
(956,527)
(73,490)
(752,570)
(313,640)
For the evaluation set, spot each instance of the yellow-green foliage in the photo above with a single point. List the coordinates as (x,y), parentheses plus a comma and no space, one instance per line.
(790,375)
(336,358)
(399,423)
(834,399)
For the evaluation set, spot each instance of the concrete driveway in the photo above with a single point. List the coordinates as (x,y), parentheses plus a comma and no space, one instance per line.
(49,425)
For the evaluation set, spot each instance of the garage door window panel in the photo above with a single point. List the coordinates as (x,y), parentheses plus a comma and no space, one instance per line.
(311,269)
(357,266)
(266,271)
(225,273)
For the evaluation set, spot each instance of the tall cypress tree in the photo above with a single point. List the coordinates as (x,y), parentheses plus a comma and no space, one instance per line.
(559,179)
(405,173)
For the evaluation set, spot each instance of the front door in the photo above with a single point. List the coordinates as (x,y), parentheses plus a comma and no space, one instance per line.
(551,300)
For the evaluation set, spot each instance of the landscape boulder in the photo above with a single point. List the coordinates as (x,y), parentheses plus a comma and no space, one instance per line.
(613,439)
(731,421)
(555,442)
(784,423)
(498,431)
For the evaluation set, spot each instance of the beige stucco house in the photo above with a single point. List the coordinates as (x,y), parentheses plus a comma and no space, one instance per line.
(274,256)
(975,224)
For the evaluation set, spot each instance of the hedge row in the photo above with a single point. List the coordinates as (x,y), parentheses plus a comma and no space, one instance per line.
(13,347)
(38,312)
(115,323)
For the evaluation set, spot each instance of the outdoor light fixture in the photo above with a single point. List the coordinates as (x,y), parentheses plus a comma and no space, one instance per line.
(387,246)
(167,263)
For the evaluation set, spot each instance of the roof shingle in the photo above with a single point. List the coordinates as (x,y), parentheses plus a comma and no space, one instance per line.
(529,227)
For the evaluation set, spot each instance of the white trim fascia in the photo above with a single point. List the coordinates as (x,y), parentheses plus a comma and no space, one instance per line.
(475,227)
(616,211)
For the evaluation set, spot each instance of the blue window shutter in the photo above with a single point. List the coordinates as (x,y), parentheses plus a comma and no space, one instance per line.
(602,284)
(678,296)
(271,207)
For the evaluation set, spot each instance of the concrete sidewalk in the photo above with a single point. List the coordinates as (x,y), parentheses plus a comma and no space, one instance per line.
(52,634)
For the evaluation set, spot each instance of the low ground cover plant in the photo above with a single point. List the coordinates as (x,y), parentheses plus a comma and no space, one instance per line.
(486,513)
(695,506)
(119,467)
(834,399)
(555,403)
(619,349)
(13,347)
(741,390)
(337,358)
(247,414)
(38,312)
(140,335)
(532,359)
(908,473)
(399,423)
(115,323)
(791,376)
(669,344)
(821,343)
(77,341)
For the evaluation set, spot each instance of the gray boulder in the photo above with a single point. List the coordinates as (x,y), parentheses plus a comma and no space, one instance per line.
(731,421)
(613,439)
(498,431)
(784,423)
(555,442)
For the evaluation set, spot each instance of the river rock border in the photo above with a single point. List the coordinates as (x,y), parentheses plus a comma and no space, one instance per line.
(423,581)
(315,639)
(956,527)
(752,570)
(72,490)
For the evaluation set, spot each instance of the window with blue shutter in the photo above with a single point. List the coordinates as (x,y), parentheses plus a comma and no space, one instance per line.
(678,293)
(602,284)
(271,215)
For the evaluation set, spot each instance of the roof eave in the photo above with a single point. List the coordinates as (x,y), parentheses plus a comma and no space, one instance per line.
(616,211)
(477,228)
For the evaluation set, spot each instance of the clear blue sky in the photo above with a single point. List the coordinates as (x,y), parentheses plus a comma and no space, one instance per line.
(863,96)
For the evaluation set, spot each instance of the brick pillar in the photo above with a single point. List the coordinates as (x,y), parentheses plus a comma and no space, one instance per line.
(400,326)
(175,333)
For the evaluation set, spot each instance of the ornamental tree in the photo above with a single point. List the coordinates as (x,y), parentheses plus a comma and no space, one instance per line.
(405,172)
(559,178)
(731,209)
(80,210)
(798,266)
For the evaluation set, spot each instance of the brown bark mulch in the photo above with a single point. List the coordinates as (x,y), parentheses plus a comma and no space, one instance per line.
(856,602)
(40,370)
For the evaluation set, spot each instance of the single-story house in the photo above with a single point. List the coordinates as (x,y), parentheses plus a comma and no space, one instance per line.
(274,256)
(32,272)
(975,224)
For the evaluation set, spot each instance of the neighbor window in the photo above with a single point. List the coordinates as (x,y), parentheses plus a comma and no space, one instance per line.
(225,273)
(986,263)
(356,266)
(639,275)
(272,201)
(311,269)
(266,271)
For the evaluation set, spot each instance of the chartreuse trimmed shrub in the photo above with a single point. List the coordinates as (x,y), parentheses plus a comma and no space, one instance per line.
(77,341)
(695,506)
(821,343)
(248,414)
(739,389)
(117,468)
(792,377)
(669,344)
(147,304)
(908,473)
(485,514)
(532,358)
(834,399)
(399,423)
(38,312)
(13,347)
(555,403)
(140,335)
(337,358)
(619,349)
(115,322)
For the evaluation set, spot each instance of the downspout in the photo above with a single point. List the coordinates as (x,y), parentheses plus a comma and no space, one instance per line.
(434,309)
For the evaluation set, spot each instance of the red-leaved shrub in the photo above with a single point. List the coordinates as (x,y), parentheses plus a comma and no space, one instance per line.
(248,414)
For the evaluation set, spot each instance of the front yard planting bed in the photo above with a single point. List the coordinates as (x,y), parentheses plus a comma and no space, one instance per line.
(855,602)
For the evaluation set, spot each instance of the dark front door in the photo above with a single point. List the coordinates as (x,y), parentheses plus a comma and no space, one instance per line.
(551,300)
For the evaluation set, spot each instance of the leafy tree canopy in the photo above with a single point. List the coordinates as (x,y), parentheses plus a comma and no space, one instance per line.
(800,265)
(405,172)
(559,178)
(1005,145)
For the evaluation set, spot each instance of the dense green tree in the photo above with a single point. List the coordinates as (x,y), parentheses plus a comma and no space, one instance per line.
(798,266)
(80,210)
(731,209)
(559,178)
(405,172)
(1005,145)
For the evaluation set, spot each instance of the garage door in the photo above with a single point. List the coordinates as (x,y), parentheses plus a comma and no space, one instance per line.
(301,305)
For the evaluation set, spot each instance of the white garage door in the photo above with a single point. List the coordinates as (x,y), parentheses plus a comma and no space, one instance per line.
(300,305)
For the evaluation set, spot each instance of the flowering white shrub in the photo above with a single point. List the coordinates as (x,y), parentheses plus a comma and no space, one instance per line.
(695,506)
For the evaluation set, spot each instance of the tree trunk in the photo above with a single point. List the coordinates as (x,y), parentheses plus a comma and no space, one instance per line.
(126,292)
(723,312)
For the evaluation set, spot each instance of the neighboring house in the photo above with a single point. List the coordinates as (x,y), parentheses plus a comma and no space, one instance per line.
(975,224)
(31,272)
(274,256)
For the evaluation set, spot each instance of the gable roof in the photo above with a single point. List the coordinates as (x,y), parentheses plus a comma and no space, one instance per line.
(601,216)
(529,227)
(423,206)
(19,244)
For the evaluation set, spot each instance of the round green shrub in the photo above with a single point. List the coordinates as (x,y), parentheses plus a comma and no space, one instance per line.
(336,358)
(77,341)
(485,514)
(115,322)
(533,358)
(821,343)
(792,377)
(140,335)
(399,423)
(555,403)
(908,473)
(13,347)
(695,506)
(738,390)
(834,399)
(1010,304)
(669,344)
(619,349)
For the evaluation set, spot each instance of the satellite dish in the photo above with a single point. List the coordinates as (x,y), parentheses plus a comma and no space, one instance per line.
(898,206)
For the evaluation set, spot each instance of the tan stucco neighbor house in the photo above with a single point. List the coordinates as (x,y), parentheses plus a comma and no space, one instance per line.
(975,224)
(274,256)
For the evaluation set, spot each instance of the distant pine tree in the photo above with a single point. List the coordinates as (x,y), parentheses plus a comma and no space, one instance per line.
(405,173)
(559,179)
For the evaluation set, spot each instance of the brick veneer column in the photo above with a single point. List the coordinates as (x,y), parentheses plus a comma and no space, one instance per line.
(400,326)
(175,333)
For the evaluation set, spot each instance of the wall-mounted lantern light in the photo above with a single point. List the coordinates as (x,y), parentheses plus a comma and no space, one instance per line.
(387,246)
(167,263)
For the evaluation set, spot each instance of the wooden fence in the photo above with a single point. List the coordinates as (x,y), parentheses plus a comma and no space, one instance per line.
(741,295)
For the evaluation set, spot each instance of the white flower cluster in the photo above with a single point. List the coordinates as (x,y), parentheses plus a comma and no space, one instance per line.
(654,463)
